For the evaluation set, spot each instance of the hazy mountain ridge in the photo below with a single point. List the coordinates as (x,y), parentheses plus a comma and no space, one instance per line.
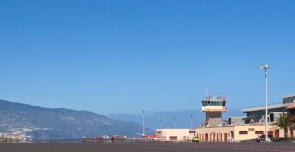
(61,123)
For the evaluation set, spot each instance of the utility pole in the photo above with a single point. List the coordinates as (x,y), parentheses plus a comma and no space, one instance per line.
(174,122)
(143,121)
(191,121)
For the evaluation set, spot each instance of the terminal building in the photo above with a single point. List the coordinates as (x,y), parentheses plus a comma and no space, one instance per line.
(257,114)
(234,128)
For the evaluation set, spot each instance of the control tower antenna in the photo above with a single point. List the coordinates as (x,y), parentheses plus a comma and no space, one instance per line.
(207,92)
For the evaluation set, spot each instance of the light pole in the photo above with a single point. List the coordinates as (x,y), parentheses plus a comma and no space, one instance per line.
(160,124)
(174,122)
(265,67)
(143,121)
(191,121)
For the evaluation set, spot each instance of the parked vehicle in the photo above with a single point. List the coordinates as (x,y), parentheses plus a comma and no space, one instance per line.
(262,137)
(195,139)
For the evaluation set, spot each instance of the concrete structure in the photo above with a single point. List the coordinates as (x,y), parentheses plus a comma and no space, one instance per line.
(289,98)
(175,134)
(235,120)
(213,107)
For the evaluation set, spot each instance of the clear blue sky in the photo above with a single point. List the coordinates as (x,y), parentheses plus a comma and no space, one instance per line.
(122,56)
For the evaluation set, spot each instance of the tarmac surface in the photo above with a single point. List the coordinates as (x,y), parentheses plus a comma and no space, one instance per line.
(148,147)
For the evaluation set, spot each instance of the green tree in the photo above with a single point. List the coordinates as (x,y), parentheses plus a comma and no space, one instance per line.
(284,122)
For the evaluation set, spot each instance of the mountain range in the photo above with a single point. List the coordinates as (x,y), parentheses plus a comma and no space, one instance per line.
(47,123)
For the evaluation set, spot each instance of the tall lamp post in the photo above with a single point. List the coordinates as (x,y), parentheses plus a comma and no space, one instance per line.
(265,67)
(191,121)
(143,121)
(174,122)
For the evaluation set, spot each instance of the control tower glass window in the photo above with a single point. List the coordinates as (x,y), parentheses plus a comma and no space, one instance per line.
(203,103)
(213,103)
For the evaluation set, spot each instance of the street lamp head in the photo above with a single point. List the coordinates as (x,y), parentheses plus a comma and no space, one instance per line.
(264,66)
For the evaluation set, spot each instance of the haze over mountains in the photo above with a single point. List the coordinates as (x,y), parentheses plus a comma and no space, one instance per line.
(182,118)
(46,123)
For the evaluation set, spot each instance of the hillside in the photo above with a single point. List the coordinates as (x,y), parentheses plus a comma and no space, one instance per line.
(61,123)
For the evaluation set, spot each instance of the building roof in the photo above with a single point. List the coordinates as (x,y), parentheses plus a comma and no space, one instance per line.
(291,95)
(291,106)
(273,106)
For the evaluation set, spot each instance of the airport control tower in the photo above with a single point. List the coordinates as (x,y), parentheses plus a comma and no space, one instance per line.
(213,106)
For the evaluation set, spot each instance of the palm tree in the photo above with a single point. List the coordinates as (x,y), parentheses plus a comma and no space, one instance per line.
(284,122)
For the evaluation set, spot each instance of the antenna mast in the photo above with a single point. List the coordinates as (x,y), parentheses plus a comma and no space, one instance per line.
(207,92)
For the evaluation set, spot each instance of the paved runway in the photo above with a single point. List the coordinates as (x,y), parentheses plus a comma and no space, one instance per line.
(148,147)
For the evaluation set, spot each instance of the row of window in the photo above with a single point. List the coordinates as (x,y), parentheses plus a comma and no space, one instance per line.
(213,103)
(202,136)
(214,137)
(262,112)
(246,132)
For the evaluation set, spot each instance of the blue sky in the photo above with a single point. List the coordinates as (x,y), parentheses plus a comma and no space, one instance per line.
(121,57)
